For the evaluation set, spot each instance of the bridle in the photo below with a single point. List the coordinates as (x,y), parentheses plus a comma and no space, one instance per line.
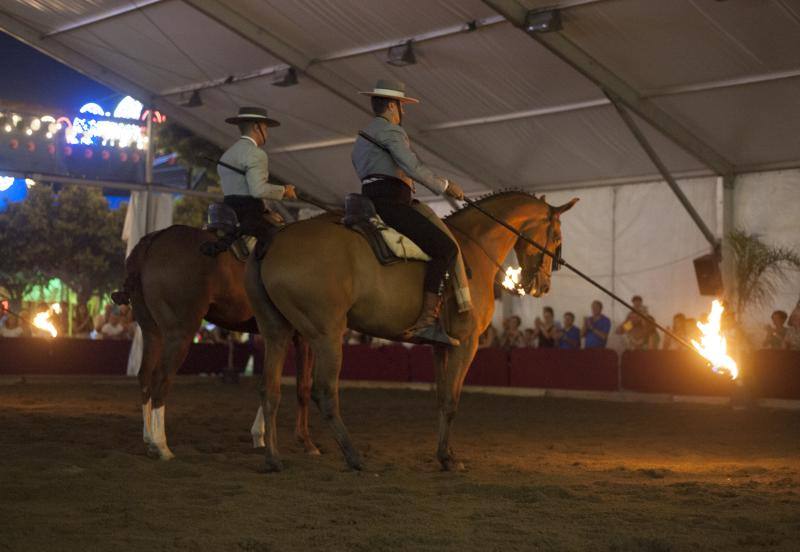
(502,270)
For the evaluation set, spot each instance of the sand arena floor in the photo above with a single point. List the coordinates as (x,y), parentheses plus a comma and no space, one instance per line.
(541,474)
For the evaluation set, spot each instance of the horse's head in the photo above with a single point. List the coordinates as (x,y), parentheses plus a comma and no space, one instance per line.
(537,267)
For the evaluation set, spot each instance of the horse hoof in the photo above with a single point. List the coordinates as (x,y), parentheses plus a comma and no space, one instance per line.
(273,465)
(452,465)
(311,450)
(355,463)
(159,452)
(258,441)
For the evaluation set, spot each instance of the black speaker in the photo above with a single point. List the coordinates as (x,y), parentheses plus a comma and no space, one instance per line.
(709,277)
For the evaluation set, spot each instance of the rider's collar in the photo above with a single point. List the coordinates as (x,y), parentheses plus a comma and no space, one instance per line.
(249,138)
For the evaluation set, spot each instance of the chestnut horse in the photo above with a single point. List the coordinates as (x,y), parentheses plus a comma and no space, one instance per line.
(323,278)
(172,287)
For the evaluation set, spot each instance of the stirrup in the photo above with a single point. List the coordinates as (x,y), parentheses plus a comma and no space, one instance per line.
(433,334)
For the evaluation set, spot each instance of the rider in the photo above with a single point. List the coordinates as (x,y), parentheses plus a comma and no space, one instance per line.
(387,166)
(245,193)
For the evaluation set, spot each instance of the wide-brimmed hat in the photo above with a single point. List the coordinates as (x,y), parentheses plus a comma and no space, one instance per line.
(393,90)
(258,114)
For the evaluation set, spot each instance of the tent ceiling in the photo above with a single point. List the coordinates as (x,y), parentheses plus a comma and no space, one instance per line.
(498,107)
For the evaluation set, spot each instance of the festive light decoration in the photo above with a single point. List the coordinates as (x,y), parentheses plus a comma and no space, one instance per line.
(6,182)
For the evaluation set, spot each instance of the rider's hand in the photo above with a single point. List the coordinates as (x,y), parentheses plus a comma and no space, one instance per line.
(289,192)
(454,190)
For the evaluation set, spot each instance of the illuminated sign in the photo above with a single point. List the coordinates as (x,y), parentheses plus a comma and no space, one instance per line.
(95,126)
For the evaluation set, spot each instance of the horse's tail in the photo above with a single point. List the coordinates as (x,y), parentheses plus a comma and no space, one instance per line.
(132,292)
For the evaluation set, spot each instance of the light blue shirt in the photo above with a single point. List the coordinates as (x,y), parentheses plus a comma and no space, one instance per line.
(245,154)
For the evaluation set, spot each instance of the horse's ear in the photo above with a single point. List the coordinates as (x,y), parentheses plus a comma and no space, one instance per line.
(542,198)
(566,207)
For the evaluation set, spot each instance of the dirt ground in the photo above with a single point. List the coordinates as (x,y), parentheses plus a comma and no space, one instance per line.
(541,474)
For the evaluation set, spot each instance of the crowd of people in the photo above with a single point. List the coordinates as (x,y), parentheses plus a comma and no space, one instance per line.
(637,331)
(112,322)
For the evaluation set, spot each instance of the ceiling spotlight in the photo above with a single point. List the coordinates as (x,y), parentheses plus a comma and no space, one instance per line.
(194,100)
(401,55)
(543,21)
(285,77)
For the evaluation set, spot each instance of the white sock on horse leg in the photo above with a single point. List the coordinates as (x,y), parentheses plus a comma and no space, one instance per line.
(147,409)
(158,432)
(257,430)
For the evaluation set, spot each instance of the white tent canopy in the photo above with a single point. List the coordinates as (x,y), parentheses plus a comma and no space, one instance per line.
(715,84)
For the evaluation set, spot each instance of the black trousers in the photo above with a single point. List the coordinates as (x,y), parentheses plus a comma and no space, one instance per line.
(250,212)
(398,213)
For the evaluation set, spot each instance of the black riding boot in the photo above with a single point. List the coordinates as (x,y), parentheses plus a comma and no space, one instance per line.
(428,328)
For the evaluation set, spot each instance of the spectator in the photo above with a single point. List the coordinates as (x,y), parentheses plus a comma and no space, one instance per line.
(776,332)
(546,329)
(11,328)
(3,313)
(791,339)
(488,338)
(114,328)
(638,304)
(512,337)
(82,324)
(529,337)
(679,329)
(596,327)
(103,318)
(569,337)
(640,335)
(126,319)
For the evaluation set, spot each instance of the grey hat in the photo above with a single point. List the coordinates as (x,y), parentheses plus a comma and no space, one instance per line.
(258,114)
(393,90)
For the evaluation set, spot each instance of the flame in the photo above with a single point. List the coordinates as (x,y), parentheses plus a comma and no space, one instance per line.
(42,321)
(511,280)
(713,345)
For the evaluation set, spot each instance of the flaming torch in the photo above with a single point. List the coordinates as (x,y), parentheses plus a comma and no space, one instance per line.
(43,322)
(713,345)
(511,281)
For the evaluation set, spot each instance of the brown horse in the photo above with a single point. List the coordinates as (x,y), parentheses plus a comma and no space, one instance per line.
(323,278)
(172,287)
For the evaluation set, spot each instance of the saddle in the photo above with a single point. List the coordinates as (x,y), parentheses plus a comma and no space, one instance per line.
(224,224)
(388,245)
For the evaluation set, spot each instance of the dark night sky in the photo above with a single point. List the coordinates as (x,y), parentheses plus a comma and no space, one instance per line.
(27,75)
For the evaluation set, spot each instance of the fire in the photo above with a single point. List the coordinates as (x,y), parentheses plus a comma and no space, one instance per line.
(43,322)
(713,345)
(511,280)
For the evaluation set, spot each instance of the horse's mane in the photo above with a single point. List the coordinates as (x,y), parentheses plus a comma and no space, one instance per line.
(492,195)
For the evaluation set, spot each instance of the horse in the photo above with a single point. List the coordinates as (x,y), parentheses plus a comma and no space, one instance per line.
(172,287)
(323,277)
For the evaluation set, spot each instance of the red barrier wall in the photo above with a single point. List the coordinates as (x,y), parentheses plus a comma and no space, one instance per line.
(593,369)
(770,374)
(674,372)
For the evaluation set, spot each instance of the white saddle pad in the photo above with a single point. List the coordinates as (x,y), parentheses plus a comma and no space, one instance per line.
(401,245)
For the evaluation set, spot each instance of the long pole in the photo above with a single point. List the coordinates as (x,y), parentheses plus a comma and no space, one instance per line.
(149,201)
(589,279)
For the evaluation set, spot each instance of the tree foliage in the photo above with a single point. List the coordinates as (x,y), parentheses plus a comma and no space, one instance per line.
(193,151)
(759,268)
(190,210)
(71,235)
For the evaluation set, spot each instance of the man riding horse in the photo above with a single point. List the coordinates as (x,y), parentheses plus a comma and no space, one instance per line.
(246,189)
(388,167)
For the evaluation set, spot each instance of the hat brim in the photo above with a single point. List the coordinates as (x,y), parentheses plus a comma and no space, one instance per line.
(237,120)
(401,99)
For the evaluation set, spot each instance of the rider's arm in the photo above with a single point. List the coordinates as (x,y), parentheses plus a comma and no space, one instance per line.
(257,167)
(396,139)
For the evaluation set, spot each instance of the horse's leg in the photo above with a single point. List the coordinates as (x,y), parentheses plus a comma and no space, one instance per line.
(303,362)
(451,369)
(327,350)
(151,353)
(274,357)
(176,347)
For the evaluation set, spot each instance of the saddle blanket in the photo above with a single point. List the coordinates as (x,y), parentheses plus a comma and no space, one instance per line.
(401,245)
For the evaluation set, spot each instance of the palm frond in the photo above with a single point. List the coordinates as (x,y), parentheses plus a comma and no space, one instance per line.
(759,268)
